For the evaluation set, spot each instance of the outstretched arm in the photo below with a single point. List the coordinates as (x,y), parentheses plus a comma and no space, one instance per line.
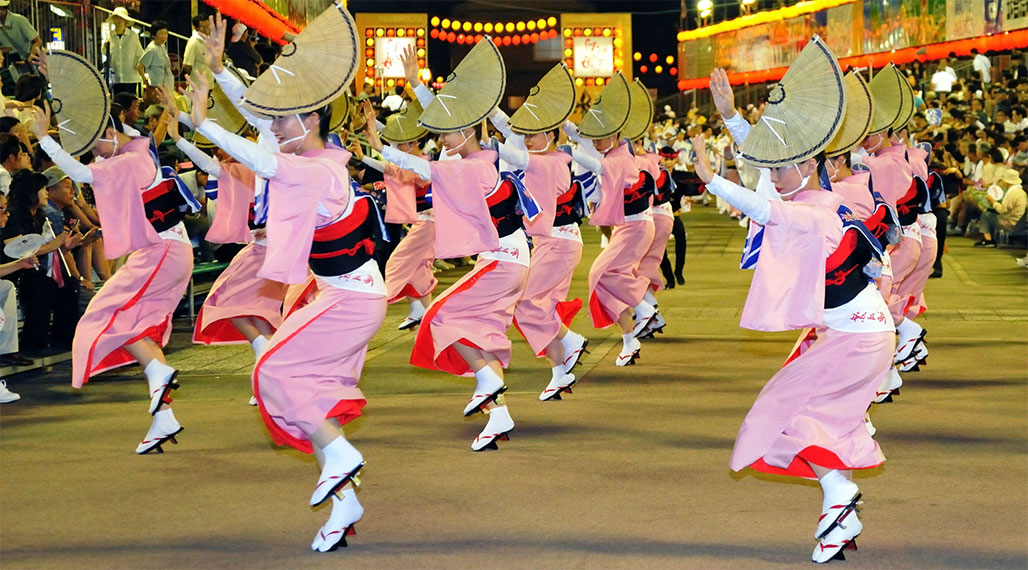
(257,159)
(755,206)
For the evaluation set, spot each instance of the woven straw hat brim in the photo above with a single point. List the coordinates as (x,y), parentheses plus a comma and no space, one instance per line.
(609,112)
(313,69)
(220,108)
(471,91)
(641,115)
(80,101)
(857,121)
(341,108)
(906,102)
(804,111)
(549,103)
(402,127)
(886,91)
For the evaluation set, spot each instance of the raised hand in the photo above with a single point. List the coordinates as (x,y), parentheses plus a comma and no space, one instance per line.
(39,58)
(167,98)
(371,129)
(40,121)
(214,44)
(701,162)
(170,121)
(721,90)
(409,57)
(197,93)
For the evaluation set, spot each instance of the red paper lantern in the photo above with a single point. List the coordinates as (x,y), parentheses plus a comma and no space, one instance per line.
(506,40)
(434,33)
(460,38)
(516,40)
(535,38)
(451,37)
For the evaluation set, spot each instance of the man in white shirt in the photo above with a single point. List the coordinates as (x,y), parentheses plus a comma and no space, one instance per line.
(983,66)
(395,101)
(942,80)
(123,51)
(195,58)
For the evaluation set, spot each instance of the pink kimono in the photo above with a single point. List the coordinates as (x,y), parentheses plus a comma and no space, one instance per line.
(663,223)
(912,289)
(238,291)
(478,309)
(614,281)
(310,368)
(555,256)
(812,410)
(408,271)
(892,176)
(855,194)
(139,299)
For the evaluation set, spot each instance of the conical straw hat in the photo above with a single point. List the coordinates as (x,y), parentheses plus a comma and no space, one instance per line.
(341,108)
(549,103)
(641,115)
(313,69)
(887,91)
(403,127)
(609,111)
(804,110)
(857,121)
(80,100)
(471,91)
(906,102)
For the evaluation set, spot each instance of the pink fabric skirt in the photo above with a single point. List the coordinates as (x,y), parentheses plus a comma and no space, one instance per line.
(477,310)
(650,266)
(549,278)
(904,261)
(409,269)
(913,286)
(614,281)
(136,302)
(812,410)
(239,292)
(310,369)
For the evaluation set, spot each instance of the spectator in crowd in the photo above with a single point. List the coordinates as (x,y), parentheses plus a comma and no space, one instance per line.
(154,65)
(942,80)
(198,223)
(14,156)
(394,102)
(18,39)
(1017,121)
(1006,213)
(9,355)
(129,104)
(27,91)
(241,51)
(982,66)
(195,57)
(50,307)
(123,50)
(66,207)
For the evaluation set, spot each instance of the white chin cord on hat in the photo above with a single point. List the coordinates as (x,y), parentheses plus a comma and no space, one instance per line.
(877,146)
(298,138)
(606,150)
(453,151)
(549,139)
(112,141)
(831,167)
(803,183)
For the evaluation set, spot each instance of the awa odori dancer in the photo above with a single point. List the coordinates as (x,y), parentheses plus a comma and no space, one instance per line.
(814,271)
(616,290)
(659,179)
(542,314)
(141,209)
(306,378)
(241,306)
(464,331)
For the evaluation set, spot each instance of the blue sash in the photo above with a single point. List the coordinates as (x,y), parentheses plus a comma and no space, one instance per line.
(526,202)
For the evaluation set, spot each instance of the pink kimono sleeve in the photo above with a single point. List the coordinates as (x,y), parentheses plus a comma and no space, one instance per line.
(235,194)
(118,185)
(401,207)
(547,177)
(462,222)
(618,165)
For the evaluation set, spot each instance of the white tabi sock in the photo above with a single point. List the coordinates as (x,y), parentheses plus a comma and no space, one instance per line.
(558,371)
(649,298)
(259,344)
(487,380)
(627,339)
(643,309)
(157,371)
(417,309)
(907,328)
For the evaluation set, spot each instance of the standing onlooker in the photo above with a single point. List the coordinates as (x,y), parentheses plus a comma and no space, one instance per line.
(983,66)
(942,80)
(154,65)
(195,57)
(123,51)
(241,51)
(18,39)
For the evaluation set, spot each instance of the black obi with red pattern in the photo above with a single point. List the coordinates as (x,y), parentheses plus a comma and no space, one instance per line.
(345,244)
(165,207)
(664,188)
(569,206)
(912,202)
(637,196)
(844,268)
(422,198)
(503,209)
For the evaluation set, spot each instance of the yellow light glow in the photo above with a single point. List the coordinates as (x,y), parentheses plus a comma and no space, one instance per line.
(478,26)
(551,21)
(520,26)
(569,52)
(567,32)
(380,32)
(579,82)
(587,32)
(669,59)
(435,20)
(488,28)
(509,27)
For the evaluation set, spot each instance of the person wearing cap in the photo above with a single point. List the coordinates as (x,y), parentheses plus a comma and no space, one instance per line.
(542,315)
(154,65)
(464,330)
(141,211)
(18,39)
(306,376)
(123,51)
(408,271)
(808,421)
(616,289)
(1004,213)
(241,51)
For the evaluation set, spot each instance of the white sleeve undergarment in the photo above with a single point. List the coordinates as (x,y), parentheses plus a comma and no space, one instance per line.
(201,159)
(755,206)
(406,161)
(261,161)
(73,168)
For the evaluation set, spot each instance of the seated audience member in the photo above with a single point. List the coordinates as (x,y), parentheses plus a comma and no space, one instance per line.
(129,104)
(9,355)
(67,206)
(14,156)
(1006,213)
